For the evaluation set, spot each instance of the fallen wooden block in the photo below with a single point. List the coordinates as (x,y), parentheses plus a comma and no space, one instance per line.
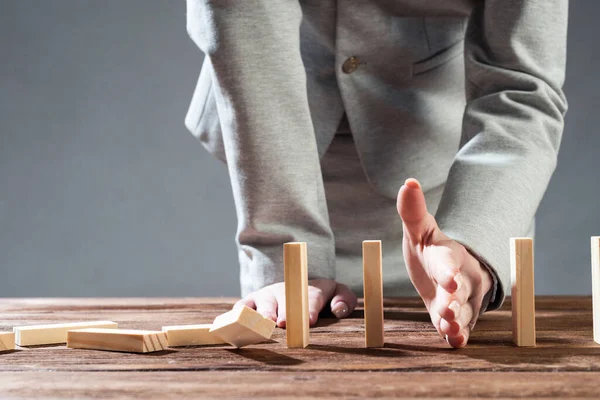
(125,340)
(7,341)
(373,293)
(596,286)
(53,333)
(242,326)
(523,292)
(295,270)
(191,335)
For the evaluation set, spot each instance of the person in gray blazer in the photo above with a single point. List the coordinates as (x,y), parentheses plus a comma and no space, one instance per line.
(322,109)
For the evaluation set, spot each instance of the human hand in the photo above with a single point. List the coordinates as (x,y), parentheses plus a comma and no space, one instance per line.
(451,282)
(270,300)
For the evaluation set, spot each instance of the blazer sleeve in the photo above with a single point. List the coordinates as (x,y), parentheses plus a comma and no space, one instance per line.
(269,141)
(515,52)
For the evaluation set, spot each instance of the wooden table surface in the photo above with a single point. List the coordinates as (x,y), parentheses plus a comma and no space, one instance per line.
(415,362)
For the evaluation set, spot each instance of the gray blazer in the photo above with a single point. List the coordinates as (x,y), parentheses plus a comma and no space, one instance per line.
(465,95)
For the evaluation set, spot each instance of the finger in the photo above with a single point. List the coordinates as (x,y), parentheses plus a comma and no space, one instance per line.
(449,328)
(449,305)
(466,319)
(449,309)
(436,321)
(319,291)
(266,305)
(343,302)
(247,301)
(281,310)
(460,340)
(463,322)
(458,332)
(413,211)
(444,261)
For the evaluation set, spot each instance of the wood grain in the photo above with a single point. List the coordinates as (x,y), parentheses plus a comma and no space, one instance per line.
(36,335)
(595,247)
(7,341)
(522,291)
(191,335)
(296,294)
(126,340)
(242,327)
(415,362)
(373,292)
(256,384)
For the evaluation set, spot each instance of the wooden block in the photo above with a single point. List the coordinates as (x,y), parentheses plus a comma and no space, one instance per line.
(296,294)
(53,333)
(125,340)
(523,291)
(191,335)
(242,326)
(373,293)
(7,341)
(596,286)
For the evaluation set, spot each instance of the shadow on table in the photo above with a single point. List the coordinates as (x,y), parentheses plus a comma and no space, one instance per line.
(266,356)
(550,352)
(387,351)
(4,352)
(158,353)
(43,346)
(416,316)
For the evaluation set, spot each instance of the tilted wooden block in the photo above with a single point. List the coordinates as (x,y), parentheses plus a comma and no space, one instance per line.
(125,340)
(242,326)
(7,341)
(53,333)
(191,335)
(373,293)
(596,286)
(523,291)
(295,268)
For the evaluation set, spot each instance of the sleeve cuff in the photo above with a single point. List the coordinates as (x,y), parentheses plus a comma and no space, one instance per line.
(493,299)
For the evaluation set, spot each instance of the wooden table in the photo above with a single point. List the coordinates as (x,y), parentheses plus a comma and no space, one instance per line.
(415,362)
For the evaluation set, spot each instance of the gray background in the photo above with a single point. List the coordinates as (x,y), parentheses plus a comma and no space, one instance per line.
(104,193)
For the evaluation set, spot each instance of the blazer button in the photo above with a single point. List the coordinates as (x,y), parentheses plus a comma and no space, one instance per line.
(350,65)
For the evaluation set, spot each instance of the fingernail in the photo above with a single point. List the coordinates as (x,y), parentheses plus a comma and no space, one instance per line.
(459,281)
(312,318)
(455,307)
(412,183)
(340,310)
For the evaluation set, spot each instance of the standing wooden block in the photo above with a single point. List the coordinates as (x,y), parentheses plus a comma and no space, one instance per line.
(523,291)
(296,294)
(242,326)
(125,340)
(7,341)
(596,286)
(191,335)
(373,293)
(53,333)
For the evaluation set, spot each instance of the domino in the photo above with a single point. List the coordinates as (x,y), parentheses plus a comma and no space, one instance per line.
(124,340)
(373,293)
(242,326)
(523,291)
(596,286)
(296,294)
(7,341)
(191,335)
(54,333)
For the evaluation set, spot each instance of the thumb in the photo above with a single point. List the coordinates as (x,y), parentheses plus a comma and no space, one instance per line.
(413,211)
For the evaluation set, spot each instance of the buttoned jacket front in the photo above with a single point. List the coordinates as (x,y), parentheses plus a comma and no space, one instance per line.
(464,95)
